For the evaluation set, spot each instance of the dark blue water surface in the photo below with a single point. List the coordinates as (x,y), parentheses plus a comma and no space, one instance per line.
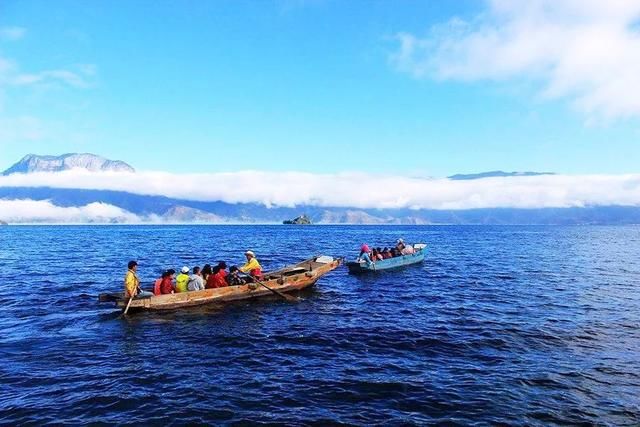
(519,325)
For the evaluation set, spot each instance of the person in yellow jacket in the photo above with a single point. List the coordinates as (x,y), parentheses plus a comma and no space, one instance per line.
(132,283)
(252,266)
(182,281)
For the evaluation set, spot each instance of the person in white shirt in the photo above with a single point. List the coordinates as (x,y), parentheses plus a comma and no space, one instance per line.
(404,249)
(196,282)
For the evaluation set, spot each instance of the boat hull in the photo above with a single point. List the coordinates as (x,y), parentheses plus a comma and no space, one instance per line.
(293,278)
(386,264)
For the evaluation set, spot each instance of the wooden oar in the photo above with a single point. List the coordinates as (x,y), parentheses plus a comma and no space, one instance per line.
(127,308)
(129,303)
(289,298)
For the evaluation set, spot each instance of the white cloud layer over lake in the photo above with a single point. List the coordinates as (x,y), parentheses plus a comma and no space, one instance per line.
(36,211)
(586,51)
(356,190)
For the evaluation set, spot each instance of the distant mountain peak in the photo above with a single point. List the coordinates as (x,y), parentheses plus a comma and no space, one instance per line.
(495,174)
(91,162)
(177,213)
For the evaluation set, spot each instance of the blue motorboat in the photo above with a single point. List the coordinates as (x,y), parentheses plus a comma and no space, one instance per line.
(359,267)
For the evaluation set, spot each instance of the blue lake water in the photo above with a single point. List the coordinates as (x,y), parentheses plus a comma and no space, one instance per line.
(513,324)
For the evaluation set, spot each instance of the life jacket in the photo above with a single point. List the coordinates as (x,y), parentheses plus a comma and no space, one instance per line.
(156,287)
(181,282)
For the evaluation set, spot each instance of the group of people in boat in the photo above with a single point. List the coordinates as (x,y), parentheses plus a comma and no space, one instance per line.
(196,278)
(377,254)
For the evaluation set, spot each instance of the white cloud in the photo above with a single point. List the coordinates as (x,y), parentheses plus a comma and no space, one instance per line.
(26,211)
(66,77)
(355,190)
(77,76)
(585,51)
(21,128)
(12,33)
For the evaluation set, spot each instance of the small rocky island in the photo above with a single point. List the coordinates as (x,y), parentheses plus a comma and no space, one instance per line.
(3,223)
(301,220)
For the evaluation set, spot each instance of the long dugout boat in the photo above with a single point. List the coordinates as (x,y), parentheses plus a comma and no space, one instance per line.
(291,278)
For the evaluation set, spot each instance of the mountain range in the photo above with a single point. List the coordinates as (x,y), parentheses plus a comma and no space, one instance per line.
(495,174)
(91,162)
(34,163)
(175,210)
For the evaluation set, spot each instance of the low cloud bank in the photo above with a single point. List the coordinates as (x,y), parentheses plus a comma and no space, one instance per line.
(355,190)
(42,211)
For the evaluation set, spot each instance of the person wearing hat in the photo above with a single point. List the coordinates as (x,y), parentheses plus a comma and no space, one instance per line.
(252,266)
(132,283)
(364,254)
(182,281)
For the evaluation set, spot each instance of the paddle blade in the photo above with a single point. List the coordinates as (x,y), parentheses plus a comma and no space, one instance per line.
(290,298)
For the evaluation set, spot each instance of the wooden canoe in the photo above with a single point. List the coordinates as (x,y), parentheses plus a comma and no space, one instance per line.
(291,278)
(356,267)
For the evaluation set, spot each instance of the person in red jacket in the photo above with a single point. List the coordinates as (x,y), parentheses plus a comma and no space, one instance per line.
(156,287)
(166,286)
(218,275)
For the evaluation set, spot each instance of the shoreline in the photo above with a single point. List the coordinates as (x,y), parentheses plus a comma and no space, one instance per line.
(235,224)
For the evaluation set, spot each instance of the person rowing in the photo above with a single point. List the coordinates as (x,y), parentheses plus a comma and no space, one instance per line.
(132,283)
(252,266)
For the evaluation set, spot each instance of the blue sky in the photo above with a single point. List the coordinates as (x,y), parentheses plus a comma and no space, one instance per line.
(317,86)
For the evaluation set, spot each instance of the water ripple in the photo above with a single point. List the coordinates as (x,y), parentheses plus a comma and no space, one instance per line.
(500,325)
